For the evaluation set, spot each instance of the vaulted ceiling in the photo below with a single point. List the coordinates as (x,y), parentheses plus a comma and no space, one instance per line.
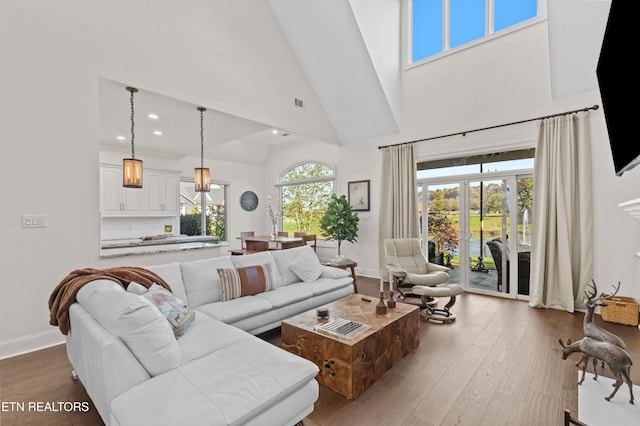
(350,52)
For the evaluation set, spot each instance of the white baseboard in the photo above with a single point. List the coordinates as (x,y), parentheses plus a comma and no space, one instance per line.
(33,342)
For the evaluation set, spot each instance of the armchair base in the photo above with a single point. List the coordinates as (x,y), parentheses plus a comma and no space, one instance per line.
(439,315)
(425,301)
(443,290)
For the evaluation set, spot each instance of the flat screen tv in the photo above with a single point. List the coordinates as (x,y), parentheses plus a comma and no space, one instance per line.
(618,87)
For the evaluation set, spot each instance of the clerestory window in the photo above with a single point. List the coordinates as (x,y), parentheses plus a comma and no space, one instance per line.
(443,26)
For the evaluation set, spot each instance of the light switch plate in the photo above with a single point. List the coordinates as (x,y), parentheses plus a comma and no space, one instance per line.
(34,221)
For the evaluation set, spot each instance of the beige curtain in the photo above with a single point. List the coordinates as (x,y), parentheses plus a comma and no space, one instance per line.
(398,196)
(562,235)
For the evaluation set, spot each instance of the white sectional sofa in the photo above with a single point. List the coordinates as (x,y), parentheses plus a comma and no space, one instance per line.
(137,372)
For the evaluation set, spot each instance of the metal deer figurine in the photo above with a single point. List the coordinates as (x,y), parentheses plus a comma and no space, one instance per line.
(614,356)
(591,329)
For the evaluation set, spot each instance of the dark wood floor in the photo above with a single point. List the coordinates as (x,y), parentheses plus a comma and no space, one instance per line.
(499,363)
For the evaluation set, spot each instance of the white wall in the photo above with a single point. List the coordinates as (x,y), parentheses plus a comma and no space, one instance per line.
(226,55)
(238,177)
(351,162)
(54,52)
(503,81)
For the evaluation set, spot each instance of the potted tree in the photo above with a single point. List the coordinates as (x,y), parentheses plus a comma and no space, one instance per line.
(339,222)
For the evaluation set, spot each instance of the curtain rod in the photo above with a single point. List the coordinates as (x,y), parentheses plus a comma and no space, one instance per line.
(595,107)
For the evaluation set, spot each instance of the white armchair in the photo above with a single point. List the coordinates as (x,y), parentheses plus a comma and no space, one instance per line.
(410,268)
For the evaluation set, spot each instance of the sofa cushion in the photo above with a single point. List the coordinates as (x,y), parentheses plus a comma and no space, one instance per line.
(172,275)
(325,285)
(136,288)
(285,259)
(331,272)
(286,295)
(201,280)
(260,258)
(136,321)
(235,309)
(174,310)
(206,335)
(230,386)
(246,281)
(307,266)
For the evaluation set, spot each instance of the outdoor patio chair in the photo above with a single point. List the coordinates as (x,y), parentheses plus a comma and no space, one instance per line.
(524,265)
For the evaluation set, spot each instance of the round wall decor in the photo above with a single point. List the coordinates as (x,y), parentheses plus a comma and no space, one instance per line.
(249,200)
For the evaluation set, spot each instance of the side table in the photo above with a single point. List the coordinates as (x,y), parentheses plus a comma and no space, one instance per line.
(344,265)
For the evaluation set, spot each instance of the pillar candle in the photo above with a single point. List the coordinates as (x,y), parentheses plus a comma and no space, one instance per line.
(381,281)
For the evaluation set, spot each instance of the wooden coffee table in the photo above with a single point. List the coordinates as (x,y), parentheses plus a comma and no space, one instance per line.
(350,366)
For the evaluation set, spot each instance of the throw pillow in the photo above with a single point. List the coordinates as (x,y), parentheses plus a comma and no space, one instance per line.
(174,310)
(136,288)
(238,282)
(331,272)
(135,320)
(307,266)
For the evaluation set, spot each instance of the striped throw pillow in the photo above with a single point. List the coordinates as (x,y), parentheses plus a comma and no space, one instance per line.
(238,282)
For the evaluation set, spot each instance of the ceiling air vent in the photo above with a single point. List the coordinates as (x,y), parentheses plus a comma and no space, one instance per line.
(298,102)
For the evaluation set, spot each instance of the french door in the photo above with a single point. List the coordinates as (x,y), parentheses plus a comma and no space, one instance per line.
(476,225)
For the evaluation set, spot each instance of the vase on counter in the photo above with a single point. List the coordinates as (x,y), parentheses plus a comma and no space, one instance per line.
(274,232)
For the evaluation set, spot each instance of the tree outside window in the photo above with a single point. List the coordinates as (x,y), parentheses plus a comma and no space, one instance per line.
(192,204)
(305,191)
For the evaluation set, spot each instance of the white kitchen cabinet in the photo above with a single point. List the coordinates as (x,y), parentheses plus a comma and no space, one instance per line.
(158,196)
(161,193)
(114,198)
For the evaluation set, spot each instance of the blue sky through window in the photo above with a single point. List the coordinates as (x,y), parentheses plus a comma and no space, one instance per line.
(498,166)
(511,12)
(467,22)
(427,28)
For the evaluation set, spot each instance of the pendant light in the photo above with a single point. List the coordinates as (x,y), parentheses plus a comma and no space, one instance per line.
(202,175)
(132,168)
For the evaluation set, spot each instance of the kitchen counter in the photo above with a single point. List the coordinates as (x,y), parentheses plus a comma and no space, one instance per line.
(137,246)
(158,240)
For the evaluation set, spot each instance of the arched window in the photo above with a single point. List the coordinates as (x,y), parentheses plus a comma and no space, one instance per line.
(305,190)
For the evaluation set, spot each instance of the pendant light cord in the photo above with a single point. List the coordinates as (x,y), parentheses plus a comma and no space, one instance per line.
(202,110)
(201,139)
(133,135)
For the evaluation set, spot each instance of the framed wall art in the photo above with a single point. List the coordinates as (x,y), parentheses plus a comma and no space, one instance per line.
(358,194)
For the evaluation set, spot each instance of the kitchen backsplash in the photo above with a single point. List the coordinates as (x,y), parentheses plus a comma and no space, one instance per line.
(114,228)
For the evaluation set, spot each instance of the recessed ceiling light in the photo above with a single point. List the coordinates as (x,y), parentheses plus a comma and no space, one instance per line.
(121,138)
(274,131)
(157,132)
(153,116)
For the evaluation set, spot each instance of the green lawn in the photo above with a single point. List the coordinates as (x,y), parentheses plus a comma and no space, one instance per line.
(290,226)
(491,224)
